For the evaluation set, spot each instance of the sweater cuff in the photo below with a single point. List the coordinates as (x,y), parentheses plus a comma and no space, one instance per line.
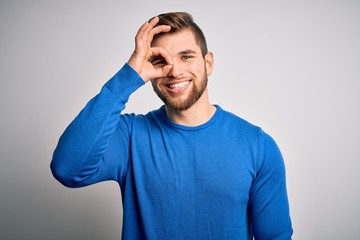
(125,82)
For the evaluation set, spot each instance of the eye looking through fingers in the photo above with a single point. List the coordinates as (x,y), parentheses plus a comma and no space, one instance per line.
(159,57)
(157,61)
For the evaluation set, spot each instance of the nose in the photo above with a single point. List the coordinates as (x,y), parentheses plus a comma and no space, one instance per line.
(176,70)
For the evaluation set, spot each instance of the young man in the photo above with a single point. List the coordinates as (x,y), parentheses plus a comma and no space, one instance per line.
(189,170)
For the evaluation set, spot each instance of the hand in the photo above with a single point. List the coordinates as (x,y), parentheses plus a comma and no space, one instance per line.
(139,60)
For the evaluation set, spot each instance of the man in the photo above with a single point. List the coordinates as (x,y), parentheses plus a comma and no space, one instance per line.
(189,170)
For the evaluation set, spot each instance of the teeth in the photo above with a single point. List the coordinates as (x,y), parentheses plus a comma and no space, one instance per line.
(177,85)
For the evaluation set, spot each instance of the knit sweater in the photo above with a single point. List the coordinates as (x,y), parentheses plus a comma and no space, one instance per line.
(224,179)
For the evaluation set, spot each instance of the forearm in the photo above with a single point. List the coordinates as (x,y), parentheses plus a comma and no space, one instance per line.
(80,150)
(269,206)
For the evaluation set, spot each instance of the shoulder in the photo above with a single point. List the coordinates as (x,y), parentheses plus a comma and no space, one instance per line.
(236,122)
(131,120)
(250,131)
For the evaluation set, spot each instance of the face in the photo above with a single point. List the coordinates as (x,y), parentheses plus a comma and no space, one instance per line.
(187,80)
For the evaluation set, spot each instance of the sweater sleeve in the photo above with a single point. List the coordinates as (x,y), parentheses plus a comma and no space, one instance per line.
(268,205)
(82,155)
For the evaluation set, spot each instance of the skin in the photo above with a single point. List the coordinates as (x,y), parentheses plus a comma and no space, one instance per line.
(175,59)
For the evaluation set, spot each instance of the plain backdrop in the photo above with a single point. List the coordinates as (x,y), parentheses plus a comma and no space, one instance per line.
(291,67)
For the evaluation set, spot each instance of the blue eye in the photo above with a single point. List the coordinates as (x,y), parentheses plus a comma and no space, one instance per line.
(185,57)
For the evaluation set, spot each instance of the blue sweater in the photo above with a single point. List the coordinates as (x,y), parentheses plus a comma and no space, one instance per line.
(224,179)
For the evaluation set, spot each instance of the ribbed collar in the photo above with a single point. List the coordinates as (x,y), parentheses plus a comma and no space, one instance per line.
(161,115)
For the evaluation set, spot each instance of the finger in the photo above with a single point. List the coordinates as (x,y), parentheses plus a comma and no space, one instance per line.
(153,21)
(152,29)
(157,30)
(162,72)
(165,70)
(160,52)
(146,28)
(147,31)
(142,30)
(149,26)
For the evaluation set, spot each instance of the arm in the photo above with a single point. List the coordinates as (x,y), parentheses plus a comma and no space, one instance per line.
(92,148)
(78,159)
(268,205)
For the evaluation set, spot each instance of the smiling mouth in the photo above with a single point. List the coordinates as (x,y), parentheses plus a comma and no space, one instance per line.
(178,85)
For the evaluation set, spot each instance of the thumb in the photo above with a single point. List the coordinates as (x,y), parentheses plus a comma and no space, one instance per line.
(166,69)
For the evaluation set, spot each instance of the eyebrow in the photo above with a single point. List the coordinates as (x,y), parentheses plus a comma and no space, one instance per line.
(188,51)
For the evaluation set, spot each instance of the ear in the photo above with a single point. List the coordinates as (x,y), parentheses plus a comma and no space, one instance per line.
(209,62)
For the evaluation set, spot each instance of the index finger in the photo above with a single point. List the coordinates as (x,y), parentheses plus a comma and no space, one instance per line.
(147,27)
(152,29)
(159,53)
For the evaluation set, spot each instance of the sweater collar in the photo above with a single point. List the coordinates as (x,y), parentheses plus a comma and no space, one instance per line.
(161,114)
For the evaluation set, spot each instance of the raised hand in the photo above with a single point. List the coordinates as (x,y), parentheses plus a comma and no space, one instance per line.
(143,52)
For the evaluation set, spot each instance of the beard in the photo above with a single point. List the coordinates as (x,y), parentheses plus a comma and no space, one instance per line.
(180,105)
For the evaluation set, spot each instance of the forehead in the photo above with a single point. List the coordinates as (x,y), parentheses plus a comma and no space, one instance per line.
(177,42)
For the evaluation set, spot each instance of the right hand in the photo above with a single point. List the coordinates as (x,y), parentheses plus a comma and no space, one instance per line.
(139,59)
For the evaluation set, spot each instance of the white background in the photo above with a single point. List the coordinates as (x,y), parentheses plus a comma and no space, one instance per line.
(291,67)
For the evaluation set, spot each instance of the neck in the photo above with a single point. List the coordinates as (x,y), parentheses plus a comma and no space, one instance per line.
(197,114)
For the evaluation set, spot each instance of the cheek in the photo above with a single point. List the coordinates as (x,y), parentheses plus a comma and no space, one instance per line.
(157,83)
(197,68)
(154,83)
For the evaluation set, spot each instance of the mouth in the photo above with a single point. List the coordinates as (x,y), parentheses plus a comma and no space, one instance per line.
(178,86)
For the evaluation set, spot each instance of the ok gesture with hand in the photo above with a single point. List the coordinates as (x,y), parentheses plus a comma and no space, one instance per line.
(139,59)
